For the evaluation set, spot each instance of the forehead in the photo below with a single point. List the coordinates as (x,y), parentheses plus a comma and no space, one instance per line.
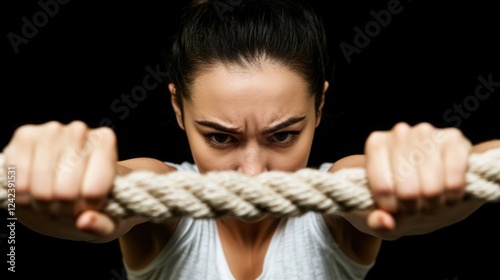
(265,79)
(264,92)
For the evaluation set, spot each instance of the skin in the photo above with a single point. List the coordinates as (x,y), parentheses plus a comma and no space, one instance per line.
(65,171)
(221,121)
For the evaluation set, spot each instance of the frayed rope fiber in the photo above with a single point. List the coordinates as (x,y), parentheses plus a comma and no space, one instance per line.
(282,194)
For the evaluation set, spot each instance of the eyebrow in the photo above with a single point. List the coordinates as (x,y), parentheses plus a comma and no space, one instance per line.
(280,126)
(220,127)
(269,130)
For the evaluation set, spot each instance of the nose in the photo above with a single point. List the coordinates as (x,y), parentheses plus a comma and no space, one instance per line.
(252,160)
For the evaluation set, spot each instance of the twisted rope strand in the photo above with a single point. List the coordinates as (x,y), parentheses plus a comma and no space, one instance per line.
(283,194)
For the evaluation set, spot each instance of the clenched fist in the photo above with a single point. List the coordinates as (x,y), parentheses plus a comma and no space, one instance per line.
(415,170)
(64,172)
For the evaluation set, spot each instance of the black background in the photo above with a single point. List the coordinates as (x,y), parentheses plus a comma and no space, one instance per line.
(427,59)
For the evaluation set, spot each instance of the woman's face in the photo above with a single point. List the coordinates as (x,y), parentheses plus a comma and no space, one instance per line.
(249,119)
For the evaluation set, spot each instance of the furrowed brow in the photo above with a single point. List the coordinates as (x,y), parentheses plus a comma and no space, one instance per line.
(219,127)
(284,124)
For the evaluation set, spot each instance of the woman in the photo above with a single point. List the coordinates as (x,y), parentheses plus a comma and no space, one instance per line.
(247,83)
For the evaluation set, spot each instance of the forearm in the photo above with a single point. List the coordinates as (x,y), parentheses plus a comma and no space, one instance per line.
(485,146)
(65,227)
(419,223)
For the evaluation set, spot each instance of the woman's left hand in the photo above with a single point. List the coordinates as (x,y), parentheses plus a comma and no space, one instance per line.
(414,170)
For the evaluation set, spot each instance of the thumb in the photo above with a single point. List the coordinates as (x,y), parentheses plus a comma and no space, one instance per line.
(95,223)
(380,220)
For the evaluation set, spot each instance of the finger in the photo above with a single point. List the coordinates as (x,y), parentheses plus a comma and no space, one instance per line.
(379,172)
(456,154)
(101,168)
(432,180)
(404,161)
(18,155)
(96,223)
(71,168)
(44,166)
(427,158)
(379,220)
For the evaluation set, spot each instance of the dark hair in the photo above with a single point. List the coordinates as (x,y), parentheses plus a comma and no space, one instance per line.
(288,32)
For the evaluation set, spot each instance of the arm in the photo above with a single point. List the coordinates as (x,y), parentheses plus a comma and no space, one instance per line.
(390,225)
(405,205)
(64,175)
(90,226)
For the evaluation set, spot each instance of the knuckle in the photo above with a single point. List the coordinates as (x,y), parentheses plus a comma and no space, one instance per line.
(52,125)
(456,138)
(424,130)
(453,134)
(104,136)
(24,132)
(78,128)
(375,140)
(401,125)
(400,130)
(78,133)
(50,130)
(108,133)
(424,126)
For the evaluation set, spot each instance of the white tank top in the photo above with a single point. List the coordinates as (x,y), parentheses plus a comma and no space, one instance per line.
(301,248)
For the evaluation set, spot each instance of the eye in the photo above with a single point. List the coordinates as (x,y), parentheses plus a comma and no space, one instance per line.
(284,138)
(219,140)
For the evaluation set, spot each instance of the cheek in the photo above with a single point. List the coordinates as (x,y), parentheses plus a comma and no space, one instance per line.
(294,157)
(297,156)
(208,161)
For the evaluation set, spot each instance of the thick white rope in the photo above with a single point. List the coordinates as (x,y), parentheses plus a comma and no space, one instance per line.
(282,194)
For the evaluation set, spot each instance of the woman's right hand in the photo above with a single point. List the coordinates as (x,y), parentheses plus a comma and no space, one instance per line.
(63,171)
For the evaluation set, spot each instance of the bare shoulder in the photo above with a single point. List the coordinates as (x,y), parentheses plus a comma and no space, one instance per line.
(143,163)
(349,162)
